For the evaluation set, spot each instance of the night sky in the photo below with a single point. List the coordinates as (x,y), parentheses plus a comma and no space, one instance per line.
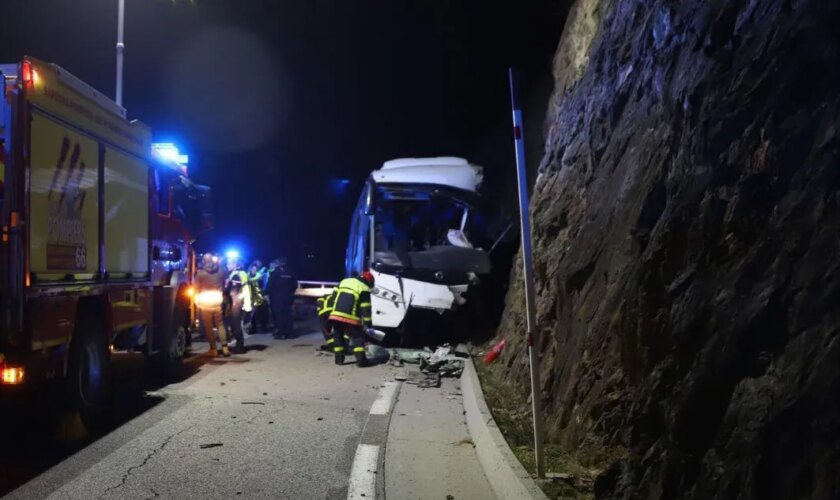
(277,101)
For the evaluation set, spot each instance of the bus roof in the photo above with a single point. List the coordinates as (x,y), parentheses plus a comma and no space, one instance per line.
(447,171)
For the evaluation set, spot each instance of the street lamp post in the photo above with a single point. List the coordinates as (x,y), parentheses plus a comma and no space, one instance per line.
(120,48)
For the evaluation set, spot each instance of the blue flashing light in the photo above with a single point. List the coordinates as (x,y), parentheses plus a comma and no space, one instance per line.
(169,151)
(338,187)
(232,254)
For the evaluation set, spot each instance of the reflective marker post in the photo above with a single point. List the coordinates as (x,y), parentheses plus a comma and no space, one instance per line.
(528,271)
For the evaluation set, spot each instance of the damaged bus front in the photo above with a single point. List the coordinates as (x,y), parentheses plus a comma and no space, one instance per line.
(414,228)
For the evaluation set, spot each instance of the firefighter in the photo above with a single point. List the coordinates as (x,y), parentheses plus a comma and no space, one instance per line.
(351,317)
(239,300)
(209,282)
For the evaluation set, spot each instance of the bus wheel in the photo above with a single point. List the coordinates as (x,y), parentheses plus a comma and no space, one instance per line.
(88,372)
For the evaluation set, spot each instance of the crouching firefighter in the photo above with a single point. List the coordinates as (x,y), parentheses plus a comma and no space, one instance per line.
(350,318)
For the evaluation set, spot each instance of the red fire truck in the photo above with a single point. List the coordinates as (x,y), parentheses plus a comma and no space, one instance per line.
(96,251)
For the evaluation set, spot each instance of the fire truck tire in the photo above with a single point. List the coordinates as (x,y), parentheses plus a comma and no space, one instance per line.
(167,362)
(88,373)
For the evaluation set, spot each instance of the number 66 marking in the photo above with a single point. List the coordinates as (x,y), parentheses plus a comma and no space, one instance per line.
(81,258)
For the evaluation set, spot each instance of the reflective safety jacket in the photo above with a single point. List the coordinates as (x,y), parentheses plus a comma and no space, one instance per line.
(326,304)
(352,303)
(256,287)
(238,289)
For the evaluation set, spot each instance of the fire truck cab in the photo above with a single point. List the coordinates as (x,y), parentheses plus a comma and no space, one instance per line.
(97,235)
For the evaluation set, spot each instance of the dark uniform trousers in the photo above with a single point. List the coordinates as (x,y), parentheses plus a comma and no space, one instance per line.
(347,339)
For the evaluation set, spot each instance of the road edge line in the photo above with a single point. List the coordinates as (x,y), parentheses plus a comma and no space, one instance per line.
(362,484)
(374,434)
(385,401)
(506,475)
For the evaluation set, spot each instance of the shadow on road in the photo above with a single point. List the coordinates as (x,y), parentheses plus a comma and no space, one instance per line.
(39,432)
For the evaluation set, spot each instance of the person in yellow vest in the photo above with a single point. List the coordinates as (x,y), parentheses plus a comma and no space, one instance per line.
(350,318)
(239,301)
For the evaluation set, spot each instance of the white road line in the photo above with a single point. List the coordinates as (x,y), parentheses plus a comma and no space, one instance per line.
(382,405)
(363,474)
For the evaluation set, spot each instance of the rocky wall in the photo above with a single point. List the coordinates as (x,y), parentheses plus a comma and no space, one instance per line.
(686,224)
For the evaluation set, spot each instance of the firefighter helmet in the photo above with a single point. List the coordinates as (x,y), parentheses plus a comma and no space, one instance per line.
(367,277)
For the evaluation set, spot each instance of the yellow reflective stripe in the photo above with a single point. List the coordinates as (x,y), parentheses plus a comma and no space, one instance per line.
(345,315)
(330,341)
(338,349)
(358,349)
(364,304)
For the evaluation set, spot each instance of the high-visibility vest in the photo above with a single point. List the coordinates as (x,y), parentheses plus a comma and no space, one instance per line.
(352,302)
(239,289)
(254,283)
(326,304)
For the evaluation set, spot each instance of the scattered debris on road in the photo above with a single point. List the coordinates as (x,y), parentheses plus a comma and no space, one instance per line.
(423,380)
(377,355)
(253,403)
(442,362)
(210,445)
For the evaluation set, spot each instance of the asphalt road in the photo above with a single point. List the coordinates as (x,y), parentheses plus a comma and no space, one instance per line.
(277,422)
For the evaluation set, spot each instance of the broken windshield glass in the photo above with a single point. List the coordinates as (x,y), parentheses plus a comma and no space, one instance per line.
(425,227)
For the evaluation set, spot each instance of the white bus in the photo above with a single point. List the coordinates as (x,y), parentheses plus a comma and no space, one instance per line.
(412,229)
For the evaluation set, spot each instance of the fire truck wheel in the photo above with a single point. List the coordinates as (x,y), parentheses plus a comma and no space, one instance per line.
(167,362)
(88,371)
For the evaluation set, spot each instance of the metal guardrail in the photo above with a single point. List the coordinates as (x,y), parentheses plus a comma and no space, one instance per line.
(314,288)
(321,284)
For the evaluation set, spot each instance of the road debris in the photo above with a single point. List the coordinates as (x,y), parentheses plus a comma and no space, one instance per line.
(444,362)
(377,355)
(253,403)
(423,380)
(210,445)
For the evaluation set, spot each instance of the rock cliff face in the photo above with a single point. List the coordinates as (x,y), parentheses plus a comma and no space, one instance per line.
(687,242)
